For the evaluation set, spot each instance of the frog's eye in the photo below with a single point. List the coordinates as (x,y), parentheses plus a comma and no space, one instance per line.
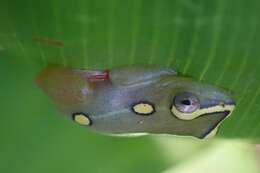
(184,104)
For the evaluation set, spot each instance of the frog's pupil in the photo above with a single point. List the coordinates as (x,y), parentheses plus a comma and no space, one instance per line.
(186,102)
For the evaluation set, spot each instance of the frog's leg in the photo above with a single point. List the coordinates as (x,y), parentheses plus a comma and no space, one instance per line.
(135,74)
(63,85)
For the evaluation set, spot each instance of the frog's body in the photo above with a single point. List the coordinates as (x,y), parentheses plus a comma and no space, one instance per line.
(134,100)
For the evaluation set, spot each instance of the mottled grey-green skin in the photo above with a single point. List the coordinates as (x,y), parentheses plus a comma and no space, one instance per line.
(109,103)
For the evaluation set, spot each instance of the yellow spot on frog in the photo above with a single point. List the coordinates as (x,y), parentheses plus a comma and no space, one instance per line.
(144,108)
(82,119)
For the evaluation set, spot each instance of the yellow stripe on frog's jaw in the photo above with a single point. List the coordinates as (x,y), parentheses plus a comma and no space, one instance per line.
(212,133)
(202,111)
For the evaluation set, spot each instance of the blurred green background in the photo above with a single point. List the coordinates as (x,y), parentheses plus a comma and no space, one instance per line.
(215,41)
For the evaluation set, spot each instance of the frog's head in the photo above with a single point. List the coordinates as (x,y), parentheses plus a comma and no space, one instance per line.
(199,107)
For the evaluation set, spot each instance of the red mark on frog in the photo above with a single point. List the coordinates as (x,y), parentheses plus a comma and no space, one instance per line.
(97,76)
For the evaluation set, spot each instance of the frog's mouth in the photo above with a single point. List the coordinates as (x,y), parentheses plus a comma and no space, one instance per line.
(217,118)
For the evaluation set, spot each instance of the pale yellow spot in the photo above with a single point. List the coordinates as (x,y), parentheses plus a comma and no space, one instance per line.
(82,119)
(143,108)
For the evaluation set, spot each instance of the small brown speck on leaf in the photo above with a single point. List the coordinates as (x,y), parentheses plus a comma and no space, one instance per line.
(1,48)
(45,40)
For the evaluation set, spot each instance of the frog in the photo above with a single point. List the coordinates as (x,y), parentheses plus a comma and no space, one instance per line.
(137,100)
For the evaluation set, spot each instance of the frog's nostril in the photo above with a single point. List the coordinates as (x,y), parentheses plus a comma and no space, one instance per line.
(222,104)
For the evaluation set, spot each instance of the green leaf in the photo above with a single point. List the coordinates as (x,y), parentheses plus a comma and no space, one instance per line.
(216,42)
